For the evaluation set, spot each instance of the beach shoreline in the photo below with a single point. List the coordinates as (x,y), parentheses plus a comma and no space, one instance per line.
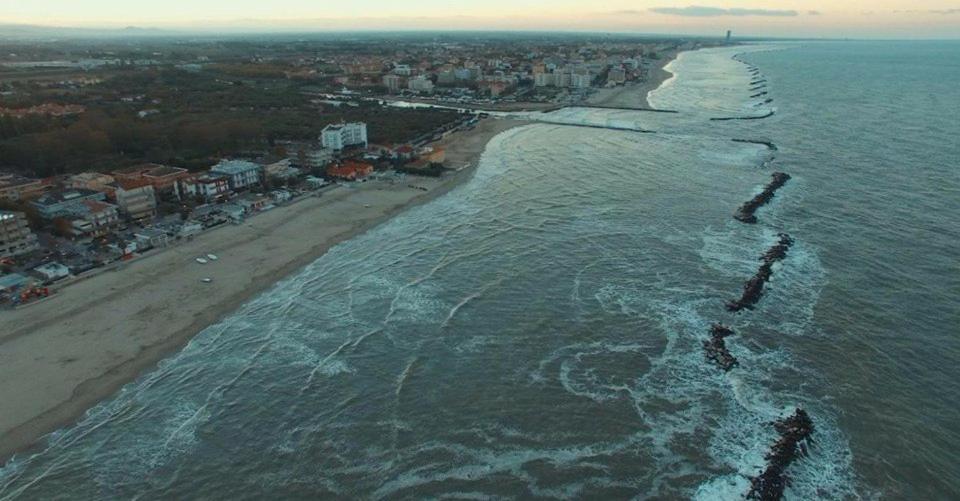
(636,95)
(68,353)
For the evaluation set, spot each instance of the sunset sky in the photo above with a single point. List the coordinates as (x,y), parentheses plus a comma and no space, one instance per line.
(819,18)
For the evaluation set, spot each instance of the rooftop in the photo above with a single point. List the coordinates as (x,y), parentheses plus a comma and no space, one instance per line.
(11,180)
(165,170)
(96,206)
(233,166)
(57,197)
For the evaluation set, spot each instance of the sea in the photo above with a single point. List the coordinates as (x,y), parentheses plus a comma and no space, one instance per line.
(537,332)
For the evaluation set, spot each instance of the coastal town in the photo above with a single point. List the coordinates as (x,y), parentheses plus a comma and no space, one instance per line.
(72,226)
(78,197)
(149,187)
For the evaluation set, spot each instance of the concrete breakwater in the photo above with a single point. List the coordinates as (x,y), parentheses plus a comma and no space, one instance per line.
(746,211)
(759,117)
(764,93)
(753,289)
(795,432)
(605,107)
(716,350)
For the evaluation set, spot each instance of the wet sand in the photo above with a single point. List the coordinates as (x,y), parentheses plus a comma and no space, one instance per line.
(60,357)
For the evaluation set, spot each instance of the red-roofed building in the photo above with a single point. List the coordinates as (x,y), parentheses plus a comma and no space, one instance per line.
(350,170)
(404,152)
(136,198)
(161,177)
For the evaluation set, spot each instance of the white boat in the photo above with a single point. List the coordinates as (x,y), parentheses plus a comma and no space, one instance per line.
(212,257)
(201,260)
(206,280)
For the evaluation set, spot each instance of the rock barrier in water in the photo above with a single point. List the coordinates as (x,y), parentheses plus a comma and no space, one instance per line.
(759,94)
(769,144)
(759,117)
(753,289)
(795,432)
(716,350)
(745,213)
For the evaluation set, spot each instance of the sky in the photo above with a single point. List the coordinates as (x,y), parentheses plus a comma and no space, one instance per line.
(787,18)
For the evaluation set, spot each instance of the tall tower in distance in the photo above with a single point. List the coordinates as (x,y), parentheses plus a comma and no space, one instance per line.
(728,36)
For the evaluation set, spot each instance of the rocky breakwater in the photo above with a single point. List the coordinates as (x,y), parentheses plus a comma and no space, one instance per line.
(753,289)
(746,212)
(795,432)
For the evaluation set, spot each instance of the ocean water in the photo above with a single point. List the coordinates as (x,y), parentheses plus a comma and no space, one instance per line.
(536,333)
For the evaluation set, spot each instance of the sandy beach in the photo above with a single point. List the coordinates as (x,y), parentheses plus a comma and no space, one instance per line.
(60,357)
(634,95)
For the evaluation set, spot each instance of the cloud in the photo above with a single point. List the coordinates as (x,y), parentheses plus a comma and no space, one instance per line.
(699,11)
(813,12)
(946,12)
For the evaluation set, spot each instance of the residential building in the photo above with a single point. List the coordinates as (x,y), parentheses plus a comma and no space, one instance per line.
(240,174)
(64,203)
(350,170)
(253,203)
(545,79)
(580,80)
(404,152)
(281,196)
(150,238)
(281,170)
(94,181)
(206,186)
(137,199)
(316,182)
(16,188)
(163,178)
(96,219)
(13,282)
(52,271)
(15,236)
(420,84)
(339,136)
(616,76)
(392,82)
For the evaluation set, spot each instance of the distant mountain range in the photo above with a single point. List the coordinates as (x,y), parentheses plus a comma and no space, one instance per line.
(33,32)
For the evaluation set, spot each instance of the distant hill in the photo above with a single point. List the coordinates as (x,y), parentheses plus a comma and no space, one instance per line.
(34,32)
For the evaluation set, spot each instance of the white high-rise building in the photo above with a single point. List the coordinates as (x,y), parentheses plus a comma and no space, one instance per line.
(420,84)
(339,136)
